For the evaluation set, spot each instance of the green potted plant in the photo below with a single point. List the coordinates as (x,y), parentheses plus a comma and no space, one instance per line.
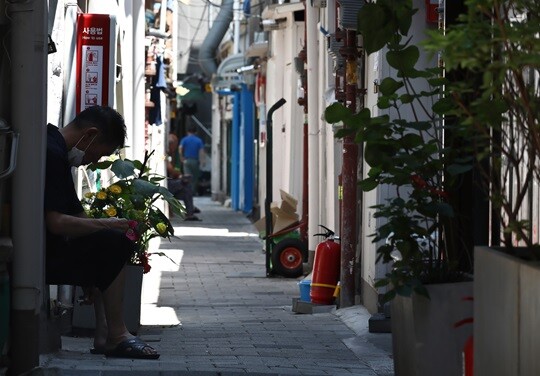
(133,195)
(429,266)
(499,42)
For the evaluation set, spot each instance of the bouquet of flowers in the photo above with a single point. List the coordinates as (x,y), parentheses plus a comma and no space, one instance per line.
(133,196)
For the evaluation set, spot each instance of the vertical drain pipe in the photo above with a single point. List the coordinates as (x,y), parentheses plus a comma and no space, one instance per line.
(29,92)
(313,123)
(349,177)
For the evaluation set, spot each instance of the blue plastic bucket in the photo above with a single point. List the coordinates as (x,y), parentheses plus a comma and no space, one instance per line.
(305,289)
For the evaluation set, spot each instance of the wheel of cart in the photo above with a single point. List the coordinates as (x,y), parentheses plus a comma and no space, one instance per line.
(286,252)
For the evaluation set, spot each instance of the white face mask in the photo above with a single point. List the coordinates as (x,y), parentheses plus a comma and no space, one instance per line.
(75,156)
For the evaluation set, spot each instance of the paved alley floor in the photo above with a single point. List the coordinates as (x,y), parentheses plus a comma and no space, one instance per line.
(209,309)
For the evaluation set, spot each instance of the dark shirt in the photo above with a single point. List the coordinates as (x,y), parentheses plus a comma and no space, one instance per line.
(60,193)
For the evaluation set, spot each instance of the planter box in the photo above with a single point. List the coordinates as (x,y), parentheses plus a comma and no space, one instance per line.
(506,320)
(424,340)
(84,317)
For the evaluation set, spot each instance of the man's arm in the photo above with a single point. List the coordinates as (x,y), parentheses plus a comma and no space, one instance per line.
(180,153)
(69,225)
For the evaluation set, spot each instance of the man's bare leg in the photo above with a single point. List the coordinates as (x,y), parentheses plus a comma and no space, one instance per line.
(100,335)
(113,298)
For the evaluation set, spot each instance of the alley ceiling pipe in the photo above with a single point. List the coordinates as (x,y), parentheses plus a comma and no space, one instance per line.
(207,52)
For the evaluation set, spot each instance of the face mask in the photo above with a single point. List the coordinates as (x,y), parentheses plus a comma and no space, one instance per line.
(75,156)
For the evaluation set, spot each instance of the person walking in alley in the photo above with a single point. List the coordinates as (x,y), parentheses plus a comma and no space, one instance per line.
(191,151)
(89,252)
(179,185)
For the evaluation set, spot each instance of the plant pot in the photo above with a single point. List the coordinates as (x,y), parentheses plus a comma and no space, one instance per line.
(424,340)
(506,306)
(84,316)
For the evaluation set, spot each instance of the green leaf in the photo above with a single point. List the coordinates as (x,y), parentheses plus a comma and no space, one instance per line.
(381,283)
(99,165)
(144,187)
(368,184)
(419,125)
(123,168)
(404,15)
(406,98)
(379,155)
(384,103)
(443,106)
(404,59)
(389,296)
(411,140)
(389,86)
(374,23)
(439,81)
(336,112)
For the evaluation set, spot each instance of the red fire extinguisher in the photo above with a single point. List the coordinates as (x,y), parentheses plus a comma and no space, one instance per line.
(326,268)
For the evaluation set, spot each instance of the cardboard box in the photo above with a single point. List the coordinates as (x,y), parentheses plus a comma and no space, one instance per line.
(283,215)
(260,225)
(289,203)
(283,219)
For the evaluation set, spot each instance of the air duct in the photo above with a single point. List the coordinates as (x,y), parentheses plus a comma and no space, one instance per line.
(207,58)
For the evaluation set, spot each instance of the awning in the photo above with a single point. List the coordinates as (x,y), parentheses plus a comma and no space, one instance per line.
(226,75)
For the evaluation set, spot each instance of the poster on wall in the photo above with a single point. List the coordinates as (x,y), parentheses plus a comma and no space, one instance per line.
(95,60)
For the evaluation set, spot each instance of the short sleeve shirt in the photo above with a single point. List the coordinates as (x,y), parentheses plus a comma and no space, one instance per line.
(190,146)
(60,193)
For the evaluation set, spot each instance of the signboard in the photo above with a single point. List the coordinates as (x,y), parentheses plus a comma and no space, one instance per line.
(95,60)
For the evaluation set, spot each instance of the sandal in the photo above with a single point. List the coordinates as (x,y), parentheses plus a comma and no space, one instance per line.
(132,348)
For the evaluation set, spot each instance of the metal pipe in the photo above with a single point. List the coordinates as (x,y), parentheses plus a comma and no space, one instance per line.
(29,107)
(350,179)
(236,27)
(313,124)
(207,52)
(139,58)
(269,180)
(125,102)
(215,187)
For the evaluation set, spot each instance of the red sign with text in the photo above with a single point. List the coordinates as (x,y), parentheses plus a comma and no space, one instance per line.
(93,65)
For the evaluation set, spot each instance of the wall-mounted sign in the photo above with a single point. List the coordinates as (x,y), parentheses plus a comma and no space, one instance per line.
(95,60)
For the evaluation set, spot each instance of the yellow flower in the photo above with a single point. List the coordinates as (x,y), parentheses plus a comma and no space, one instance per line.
(161,228)
(110,211)
(115,189)
(101,195)
(89,194)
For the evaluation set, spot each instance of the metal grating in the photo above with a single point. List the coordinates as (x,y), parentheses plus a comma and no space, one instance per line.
(348,16)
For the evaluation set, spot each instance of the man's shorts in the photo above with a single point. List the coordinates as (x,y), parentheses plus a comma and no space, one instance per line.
(90,261)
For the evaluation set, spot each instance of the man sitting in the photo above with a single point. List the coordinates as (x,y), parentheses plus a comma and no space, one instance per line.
(89,252)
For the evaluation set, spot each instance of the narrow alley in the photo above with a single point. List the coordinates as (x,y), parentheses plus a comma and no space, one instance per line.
(209,309)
